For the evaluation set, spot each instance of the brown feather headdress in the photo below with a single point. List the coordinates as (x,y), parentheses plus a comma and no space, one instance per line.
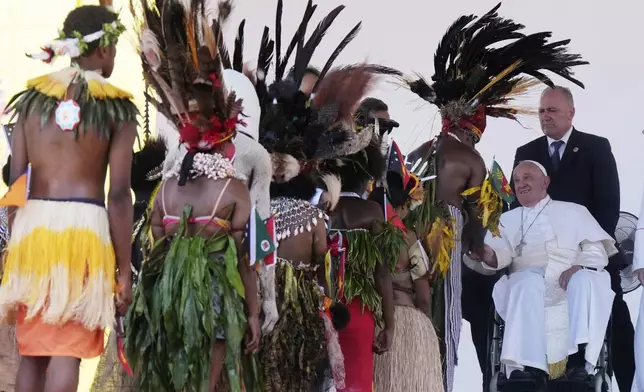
(180,56)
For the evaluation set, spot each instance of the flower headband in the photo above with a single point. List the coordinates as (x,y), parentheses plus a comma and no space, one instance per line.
(77,46)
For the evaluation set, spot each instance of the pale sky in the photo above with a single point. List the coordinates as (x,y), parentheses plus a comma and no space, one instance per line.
(404,34)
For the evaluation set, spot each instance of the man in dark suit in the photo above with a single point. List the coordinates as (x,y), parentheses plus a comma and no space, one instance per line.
(582,170)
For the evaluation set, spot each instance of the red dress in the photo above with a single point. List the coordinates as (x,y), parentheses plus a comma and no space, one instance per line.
(356,341)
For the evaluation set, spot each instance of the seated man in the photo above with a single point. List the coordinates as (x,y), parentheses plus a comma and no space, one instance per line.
(557,299)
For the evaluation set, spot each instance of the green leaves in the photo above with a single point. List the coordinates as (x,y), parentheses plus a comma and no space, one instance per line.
(172,325)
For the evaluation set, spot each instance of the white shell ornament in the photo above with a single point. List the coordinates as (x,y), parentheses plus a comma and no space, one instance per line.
(68,115)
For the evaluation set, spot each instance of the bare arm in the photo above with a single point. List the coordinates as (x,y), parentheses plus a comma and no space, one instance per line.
(320,249)
(119,199)
(422,298)
(382,276)
(473,230)
(156,219)
(19,160)
(239,219)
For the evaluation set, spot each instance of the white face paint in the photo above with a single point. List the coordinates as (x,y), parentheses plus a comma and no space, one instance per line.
(244,89)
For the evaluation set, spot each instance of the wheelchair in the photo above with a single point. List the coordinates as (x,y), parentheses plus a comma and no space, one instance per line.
(497,380)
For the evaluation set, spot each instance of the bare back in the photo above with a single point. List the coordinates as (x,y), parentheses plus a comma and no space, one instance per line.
(459,167)
(355,213)
(208,198)
(64,166)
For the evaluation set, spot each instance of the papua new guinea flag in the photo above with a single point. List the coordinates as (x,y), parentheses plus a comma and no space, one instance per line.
(258,241)
(500,183)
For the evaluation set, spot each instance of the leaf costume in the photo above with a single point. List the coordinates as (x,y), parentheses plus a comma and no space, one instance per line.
(175,316)
(190,292)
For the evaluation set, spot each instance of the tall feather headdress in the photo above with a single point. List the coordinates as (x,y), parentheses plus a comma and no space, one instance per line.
(474,77)
(301,131)
(183,65)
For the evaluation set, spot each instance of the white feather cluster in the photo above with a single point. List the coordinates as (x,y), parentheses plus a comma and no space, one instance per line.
(214,166)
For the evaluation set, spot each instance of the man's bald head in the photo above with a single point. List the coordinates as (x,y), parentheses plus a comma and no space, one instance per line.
(530,183)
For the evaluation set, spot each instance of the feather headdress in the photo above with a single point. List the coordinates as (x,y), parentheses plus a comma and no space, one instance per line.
(301,131)
(181,62)
(475,77)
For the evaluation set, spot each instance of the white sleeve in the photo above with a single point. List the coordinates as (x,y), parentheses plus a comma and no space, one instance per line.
(502,249)
(593,255)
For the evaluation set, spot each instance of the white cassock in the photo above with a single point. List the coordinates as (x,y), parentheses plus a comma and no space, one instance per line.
(638,263)
(543,323)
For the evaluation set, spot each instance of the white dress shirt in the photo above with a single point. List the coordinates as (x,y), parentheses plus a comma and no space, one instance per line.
(564,139)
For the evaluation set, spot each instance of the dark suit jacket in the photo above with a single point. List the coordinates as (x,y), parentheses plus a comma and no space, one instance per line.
(587,175)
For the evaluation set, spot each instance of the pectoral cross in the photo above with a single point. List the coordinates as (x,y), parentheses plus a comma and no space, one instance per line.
(519,248)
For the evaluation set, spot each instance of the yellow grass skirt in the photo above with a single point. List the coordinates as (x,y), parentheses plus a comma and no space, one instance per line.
(413,363)
(59,277)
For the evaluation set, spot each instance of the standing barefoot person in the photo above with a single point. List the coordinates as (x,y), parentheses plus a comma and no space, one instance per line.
(65,248)
(362,266)
(299,132)
(414,361)
(197,293)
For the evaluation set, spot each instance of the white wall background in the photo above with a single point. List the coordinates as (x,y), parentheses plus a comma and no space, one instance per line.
(404,34)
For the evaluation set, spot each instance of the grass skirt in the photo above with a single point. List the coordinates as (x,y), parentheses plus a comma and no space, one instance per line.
(414,361)
(292,352)
(58,279)
(173,322)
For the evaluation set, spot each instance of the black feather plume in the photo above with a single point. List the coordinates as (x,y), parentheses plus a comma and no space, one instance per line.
(238,55)
(480,61)
(222,49)
(347,39)
(298,37)
(278,32)
(305,51)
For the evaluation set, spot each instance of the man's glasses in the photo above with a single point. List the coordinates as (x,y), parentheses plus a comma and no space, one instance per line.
(386,126)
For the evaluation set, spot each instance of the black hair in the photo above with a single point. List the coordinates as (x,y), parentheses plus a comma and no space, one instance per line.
(86,20)
(371,104)
(301,187)
(6,170)
(312,71)
(357,169)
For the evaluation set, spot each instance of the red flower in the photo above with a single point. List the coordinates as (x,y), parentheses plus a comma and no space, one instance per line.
(190,135)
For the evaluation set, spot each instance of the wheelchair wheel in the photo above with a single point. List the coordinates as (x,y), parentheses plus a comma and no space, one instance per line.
(603,383)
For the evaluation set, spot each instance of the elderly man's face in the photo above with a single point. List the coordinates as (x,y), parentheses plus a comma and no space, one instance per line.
(530,184)
(555,114)
(308,82)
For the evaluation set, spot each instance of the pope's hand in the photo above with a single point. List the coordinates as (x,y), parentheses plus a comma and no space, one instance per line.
(640,275)
(565,276)
(485,255)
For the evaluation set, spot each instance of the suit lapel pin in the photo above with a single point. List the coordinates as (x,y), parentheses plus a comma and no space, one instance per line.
(575,149)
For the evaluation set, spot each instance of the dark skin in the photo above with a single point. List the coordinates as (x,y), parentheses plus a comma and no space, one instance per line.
(234,206)
(354,213)
(81,174)
(459,167)
(421,295)
(308,248)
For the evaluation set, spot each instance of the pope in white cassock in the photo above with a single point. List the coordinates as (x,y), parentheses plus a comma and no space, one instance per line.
(557,299)
(638,268)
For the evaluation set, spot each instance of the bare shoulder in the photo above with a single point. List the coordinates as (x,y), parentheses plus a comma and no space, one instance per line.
(238,189)
(373,210)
